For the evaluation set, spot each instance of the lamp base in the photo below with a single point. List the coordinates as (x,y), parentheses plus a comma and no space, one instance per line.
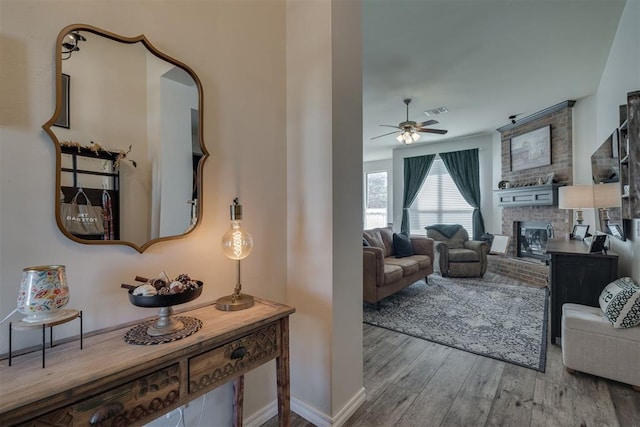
(234,302)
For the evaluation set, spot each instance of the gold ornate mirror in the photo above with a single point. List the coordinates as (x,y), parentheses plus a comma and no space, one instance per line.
(127,132)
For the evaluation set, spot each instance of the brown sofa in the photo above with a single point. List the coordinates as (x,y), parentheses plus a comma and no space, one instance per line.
(383,273)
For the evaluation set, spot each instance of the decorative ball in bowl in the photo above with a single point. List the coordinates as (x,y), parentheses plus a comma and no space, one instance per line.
(43,292)
(165,293)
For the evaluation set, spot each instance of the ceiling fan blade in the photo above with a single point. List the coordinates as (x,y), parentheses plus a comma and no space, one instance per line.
(391,126)
(438,131)
(427,123)
(380,136)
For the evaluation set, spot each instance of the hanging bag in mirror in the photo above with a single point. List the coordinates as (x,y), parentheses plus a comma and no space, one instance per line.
(82,219)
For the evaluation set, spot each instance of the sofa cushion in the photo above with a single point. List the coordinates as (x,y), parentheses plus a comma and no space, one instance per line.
(620,302)
(408,264)
(463,255)
(402,246)
(386,234)
(424,261)
(373,237)
(392,273)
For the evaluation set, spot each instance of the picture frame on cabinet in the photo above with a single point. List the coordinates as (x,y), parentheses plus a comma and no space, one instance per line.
(616,231)
(598,244)
(580,231)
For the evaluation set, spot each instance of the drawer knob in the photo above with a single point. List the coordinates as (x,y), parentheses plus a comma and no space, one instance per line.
(239,353)
(106,412)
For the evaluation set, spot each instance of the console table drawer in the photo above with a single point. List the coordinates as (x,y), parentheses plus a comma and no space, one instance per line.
(127,404)
(236,357)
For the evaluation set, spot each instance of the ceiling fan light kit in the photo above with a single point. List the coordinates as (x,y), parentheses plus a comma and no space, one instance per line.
(409,131)
(408,137)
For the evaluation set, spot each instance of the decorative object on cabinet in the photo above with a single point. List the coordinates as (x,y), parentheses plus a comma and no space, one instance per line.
(64,120)
(630,158)
(146,382)
(163,293)
(43,292)
(580,231)
(576,197)
(531,150)
(237,244)
(64,316)
(161,202)
(576,276)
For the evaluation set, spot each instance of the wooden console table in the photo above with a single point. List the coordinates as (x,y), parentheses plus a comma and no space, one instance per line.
(111,382)
(577,276)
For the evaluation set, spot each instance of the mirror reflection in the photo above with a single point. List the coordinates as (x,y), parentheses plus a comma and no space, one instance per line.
(127,126)
(605,170)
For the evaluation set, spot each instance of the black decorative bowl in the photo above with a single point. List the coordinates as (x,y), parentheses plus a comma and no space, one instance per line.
(165,300)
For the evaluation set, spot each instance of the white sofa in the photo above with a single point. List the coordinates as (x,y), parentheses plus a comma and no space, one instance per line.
(592,345)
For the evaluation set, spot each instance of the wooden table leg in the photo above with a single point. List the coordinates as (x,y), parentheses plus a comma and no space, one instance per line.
(238,397)
(282,374)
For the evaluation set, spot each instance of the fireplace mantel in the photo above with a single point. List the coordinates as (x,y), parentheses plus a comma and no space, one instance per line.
(534,195)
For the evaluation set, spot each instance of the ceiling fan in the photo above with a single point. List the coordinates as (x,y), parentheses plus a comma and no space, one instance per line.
(408,131)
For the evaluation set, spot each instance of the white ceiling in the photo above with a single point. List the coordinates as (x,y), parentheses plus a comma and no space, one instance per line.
(482,59)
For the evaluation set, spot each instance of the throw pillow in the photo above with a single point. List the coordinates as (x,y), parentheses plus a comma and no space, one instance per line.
(402,245)
(620,302)
(365,242)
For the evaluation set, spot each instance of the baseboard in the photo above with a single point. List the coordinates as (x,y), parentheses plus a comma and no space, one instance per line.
(309,413)
(262,415)
(352,406)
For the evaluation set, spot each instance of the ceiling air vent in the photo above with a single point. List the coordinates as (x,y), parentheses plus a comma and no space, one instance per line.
(436,111)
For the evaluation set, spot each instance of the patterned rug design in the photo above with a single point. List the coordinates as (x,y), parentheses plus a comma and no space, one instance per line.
(490,316)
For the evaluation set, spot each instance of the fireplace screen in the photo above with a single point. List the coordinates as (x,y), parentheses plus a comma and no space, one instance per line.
(532,239)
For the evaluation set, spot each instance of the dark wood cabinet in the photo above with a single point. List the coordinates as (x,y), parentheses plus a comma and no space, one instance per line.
(577,276)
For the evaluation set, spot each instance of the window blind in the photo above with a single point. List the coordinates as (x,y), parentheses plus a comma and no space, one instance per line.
(439,202)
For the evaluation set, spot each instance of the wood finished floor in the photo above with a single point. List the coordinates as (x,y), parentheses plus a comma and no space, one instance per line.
(413,382)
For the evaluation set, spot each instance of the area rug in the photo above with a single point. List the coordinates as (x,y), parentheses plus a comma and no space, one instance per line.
(489,316)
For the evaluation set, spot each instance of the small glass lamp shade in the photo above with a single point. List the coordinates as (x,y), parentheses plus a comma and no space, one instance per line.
(236,244)
(43,292)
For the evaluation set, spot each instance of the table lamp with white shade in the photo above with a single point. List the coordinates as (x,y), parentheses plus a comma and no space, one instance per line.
(606,196)
(576,197)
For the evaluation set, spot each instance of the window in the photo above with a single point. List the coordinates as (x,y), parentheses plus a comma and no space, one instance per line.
(376,200)
(439,201)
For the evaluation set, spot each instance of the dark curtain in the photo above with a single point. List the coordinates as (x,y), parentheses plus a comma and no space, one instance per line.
(415,171)
(464,168)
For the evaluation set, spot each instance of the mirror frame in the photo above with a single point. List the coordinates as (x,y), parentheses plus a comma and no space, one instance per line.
(58,109)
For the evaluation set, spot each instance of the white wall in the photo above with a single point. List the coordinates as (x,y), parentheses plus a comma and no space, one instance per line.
(324,169)
(485,156)
(243,76)
(621,75)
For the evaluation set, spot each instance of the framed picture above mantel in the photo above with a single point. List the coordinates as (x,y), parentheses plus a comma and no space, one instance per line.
(531,149)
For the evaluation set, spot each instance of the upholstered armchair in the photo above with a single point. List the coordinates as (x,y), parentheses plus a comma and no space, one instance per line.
(457,256)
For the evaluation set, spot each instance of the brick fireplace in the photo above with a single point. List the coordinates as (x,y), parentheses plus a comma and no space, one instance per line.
(559,117)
